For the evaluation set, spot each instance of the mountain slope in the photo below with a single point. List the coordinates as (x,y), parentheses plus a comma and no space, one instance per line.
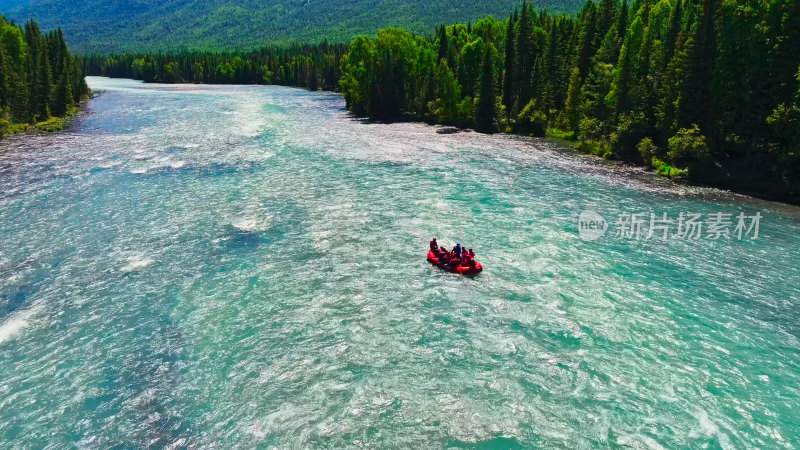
(131,25)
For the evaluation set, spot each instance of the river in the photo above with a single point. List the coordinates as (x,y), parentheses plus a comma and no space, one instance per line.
(241,266)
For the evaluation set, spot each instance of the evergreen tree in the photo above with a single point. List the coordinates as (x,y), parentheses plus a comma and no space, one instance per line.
(572,107)
(694,101)
(626,69)
(486,112)
(444,44)
(586,39)
(525,55)
(509,78)
(674,28)
(63,95)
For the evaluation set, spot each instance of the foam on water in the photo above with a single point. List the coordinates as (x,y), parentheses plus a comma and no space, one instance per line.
(136,263)
(17,322)
(11,327)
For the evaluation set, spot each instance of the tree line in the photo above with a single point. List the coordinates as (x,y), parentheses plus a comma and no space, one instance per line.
(712,86)
(39,78)
(706,88)
(310,66)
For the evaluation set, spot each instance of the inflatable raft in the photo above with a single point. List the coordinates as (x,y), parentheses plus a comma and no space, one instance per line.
(464,270)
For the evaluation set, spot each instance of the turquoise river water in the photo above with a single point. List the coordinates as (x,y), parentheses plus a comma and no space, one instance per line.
(243,266)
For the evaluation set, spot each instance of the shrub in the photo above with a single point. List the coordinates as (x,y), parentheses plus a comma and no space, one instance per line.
(591,129)
(531,121)
(630,131)
(5,128)
(666,170)
(688,148)
(556,133)
(50,125)
(648,151)
(597,148)
(784,123)
(502,121)
(466,112)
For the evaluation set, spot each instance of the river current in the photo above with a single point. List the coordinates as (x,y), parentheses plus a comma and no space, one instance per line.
(241,266)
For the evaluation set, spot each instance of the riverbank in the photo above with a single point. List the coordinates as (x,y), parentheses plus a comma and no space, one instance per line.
(51,125)
(742,179)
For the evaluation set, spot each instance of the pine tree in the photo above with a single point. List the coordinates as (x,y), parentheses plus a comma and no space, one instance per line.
(607,14)
(694,101)
(486,113)
(444,44)
(525,56)
(63,98)
(586,39)
(665,113)
(509,80)
(553,89)
(571,109)
(786,30)
(621,29)
(626,69)
(673,29)
(4,75)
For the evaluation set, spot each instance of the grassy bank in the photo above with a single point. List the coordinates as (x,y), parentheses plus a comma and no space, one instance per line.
(51,125)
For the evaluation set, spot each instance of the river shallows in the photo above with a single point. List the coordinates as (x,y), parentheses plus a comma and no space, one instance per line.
(238,266)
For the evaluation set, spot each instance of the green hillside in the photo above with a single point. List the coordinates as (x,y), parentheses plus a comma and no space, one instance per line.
(148,25)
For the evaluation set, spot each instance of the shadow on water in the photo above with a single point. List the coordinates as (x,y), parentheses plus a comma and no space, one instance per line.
(499,442)
(135,391)
(448,130)
(16,295)
(240,239)
(214,169)
(15,298)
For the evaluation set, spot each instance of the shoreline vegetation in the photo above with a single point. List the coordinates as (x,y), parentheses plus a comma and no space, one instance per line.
(707,90)
(41,84)
(53,124)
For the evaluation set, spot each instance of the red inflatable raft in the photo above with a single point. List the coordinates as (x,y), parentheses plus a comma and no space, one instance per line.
(464,270)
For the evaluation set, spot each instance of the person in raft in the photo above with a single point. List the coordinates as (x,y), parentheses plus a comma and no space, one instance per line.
(458,257)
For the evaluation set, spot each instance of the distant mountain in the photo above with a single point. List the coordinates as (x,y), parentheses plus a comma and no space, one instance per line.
(131,25)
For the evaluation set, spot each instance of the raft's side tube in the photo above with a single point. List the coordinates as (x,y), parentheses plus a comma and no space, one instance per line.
(465,270)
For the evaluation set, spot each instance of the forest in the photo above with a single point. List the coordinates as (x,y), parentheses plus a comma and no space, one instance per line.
(102,26)
(704,89)
(309,66)
(40,81)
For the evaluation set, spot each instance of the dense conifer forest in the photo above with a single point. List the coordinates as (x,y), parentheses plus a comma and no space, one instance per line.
(706,89)
(103,26)
(310,66)
(40,81)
